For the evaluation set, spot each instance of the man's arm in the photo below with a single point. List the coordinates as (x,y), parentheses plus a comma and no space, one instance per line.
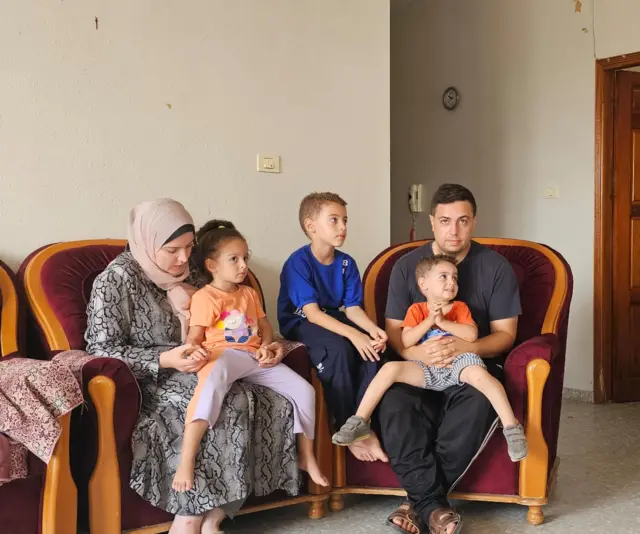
(501,339)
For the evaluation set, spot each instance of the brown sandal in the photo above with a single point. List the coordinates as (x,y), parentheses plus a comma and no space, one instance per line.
(441,518)
(407,514)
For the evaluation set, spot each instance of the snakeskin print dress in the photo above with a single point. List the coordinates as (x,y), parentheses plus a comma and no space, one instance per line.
(252,448)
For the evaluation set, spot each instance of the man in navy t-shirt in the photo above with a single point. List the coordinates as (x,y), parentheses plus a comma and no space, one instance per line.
(431,437)
(320,305)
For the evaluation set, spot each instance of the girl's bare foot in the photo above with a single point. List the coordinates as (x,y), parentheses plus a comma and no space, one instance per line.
(183,480)
(310,465)
(186,524)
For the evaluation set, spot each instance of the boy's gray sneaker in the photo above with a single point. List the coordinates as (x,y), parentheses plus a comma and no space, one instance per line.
(355,429)
(516,442)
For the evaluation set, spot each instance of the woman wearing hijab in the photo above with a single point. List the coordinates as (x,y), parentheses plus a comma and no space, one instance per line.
(138,313)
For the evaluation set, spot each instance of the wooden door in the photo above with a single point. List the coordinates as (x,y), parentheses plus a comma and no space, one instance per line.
(626,239)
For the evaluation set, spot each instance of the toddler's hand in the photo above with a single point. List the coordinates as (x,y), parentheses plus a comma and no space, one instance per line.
(438,317)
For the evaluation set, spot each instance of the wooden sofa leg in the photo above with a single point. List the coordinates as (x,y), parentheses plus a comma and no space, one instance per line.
(535,515)
(316,509)
(336,503)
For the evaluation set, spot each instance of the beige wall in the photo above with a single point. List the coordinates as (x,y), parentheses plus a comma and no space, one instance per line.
(616,27)
(86,130)
(525,71)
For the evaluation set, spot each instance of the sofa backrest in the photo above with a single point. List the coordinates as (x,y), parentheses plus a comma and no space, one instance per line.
(58,280)
(544,278)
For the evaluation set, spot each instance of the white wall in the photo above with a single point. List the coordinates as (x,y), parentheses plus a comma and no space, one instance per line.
(525,71)
(616,27)
(86,130)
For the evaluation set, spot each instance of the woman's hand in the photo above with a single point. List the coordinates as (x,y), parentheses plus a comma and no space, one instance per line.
(274,354)
(185,358)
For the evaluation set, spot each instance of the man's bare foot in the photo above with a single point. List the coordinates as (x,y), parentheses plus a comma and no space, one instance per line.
(212,520)
(405,518)
(444,520)
(405,525)
(183,481)
(310,465)
(369,450)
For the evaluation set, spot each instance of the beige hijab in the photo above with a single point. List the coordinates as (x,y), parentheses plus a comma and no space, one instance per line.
(150,225)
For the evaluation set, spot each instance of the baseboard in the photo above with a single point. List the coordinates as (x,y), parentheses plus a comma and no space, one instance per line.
(581,395)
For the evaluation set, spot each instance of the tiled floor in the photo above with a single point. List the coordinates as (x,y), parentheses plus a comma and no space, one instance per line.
(598,489)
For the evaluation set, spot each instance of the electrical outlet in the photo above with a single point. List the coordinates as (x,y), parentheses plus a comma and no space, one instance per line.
(268,163)
(551,192)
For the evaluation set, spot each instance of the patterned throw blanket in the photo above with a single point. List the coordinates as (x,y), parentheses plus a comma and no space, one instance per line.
(33,396)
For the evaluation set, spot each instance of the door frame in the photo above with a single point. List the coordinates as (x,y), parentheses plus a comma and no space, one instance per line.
(603,235)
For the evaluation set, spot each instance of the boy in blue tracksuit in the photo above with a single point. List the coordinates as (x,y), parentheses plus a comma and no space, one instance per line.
(320,305)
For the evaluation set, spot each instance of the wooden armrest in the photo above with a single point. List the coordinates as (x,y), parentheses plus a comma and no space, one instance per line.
(60,498)
(104,486)
(534,469)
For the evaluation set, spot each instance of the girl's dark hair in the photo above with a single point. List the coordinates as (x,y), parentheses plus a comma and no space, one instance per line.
(208,241)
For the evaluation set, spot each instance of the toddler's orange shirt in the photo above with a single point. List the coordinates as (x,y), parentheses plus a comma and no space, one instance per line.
(418,312)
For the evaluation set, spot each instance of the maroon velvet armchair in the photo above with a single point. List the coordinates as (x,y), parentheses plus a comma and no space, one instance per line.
(58,281)
(534,374)
(45,500)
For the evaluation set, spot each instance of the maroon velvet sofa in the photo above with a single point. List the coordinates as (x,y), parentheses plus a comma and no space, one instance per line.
(58,279)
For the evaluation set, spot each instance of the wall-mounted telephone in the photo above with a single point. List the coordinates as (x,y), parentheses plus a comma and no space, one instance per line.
(416,192)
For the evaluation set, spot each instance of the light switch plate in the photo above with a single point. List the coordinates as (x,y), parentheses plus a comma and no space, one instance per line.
(268,163)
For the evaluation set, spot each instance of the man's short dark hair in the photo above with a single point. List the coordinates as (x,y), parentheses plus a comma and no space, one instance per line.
(450,193)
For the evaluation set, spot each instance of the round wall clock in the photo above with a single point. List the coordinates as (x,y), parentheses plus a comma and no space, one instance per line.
(450,98)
